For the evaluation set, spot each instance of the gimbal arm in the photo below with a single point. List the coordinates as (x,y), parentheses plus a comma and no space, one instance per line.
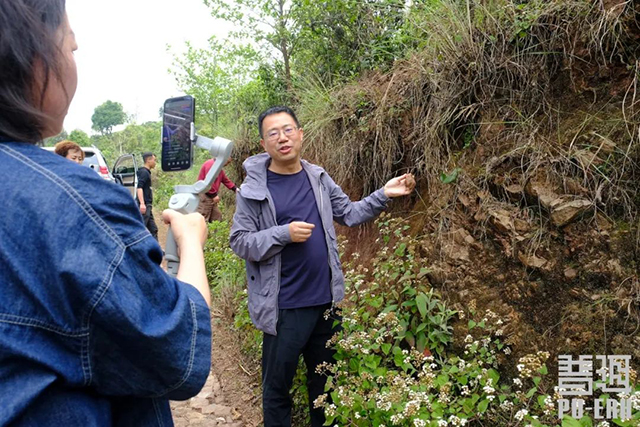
(185,199)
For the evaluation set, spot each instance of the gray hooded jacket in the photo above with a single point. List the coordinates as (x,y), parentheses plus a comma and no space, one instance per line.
(257,238)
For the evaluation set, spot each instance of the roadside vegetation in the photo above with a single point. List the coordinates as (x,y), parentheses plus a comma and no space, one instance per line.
(520,120)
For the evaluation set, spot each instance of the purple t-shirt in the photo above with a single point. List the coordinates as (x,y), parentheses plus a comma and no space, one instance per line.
(304,274)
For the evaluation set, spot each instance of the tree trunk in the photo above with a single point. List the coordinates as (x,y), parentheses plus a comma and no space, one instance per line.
(284,46)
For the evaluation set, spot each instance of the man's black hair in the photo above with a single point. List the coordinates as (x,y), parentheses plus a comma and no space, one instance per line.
(147,155)
(28,34)
(276,110)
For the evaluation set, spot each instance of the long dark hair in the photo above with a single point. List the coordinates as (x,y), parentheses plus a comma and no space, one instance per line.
(27,34)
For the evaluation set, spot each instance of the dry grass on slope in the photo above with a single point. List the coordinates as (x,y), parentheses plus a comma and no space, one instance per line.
(530,112)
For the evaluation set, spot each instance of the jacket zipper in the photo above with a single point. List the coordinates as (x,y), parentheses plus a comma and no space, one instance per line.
(320,188)
(272,207)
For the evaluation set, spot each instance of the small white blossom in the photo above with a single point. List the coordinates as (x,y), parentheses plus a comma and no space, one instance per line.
(520,414)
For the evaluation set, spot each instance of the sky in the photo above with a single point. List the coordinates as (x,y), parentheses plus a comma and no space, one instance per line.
(122,53)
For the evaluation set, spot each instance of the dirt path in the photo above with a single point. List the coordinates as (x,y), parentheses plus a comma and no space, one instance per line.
(230,397)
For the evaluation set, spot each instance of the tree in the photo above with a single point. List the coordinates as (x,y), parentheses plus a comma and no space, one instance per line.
(228,82)
(51,141)
(80,137)
(106,116)
(273,21)
(342,38)
(133,139)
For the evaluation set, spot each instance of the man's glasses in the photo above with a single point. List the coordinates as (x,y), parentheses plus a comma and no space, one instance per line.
(274,134)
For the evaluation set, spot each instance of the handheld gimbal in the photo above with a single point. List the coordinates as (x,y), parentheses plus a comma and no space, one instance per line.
(185,199)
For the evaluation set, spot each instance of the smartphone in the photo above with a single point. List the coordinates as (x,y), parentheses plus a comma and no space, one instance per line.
(177,147)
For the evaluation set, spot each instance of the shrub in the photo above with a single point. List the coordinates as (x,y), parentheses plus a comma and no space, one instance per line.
(396,364)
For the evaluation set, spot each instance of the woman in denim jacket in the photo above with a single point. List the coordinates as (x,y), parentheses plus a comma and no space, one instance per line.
(92,331)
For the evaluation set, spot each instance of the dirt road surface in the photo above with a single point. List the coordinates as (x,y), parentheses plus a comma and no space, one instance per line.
(230,396)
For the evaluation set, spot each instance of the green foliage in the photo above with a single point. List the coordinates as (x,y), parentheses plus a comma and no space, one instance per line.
(135,139)
(164,183)
(300,397)
(139,138)
(448,178)
(224,268)
(384,376)
(332,39)
(272,24)
(50,142)
(80,137)
(340,39)
(106,116)
(232,85)
(226,275)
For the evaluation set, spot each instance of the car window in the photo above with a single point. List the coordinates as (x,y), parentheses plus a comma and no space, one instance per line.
(90,159)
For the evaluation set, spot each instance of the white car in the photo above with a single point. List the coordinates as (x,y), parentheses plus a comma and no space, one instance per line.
(124,172)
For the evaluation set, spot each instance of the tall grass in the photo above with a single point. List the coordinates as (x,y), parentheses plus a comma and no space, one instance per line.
(474,62)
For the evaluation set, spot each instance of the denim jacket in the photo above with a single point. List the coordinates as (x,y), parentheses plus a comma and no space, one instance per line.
(92,331)
(257,238)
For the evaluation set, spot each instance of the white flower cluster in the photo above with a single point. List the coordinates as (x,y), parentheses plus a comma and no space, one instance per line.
(356,342)
(530,364)
(383,402)
(549,405)
(635,400)
(421,397)
(521,414)
(457,422)
(411,408)
(426,376)
(330,410)
(397,419)
(507,405)
(320,401)
(344,397)
(488,387)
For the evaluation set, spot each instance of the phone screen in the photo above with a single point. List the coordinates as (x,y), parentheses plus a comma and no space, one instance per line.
(177,116)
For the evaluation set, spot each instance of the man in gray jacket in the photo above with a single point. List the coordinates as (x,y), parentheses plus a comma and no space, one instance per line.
(283,228)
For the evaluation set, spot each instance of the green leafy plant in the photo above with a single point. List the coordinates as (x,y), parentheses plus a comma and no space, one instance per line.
(397,365)
(448,178)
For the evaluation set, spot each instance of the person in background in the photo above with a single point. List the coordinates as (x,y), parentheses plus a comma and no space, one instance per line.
(93,332)
(69,150)
(145,193)
(283,228)
(208,206)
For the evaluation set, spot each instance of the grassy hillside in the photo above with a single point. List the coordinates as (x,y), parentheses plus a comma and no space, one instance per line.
(520,121)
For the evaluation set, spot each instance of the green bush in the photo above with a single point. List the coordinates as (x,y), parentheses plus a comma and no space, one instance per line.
(396,364)
(224,268)
(227,280)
